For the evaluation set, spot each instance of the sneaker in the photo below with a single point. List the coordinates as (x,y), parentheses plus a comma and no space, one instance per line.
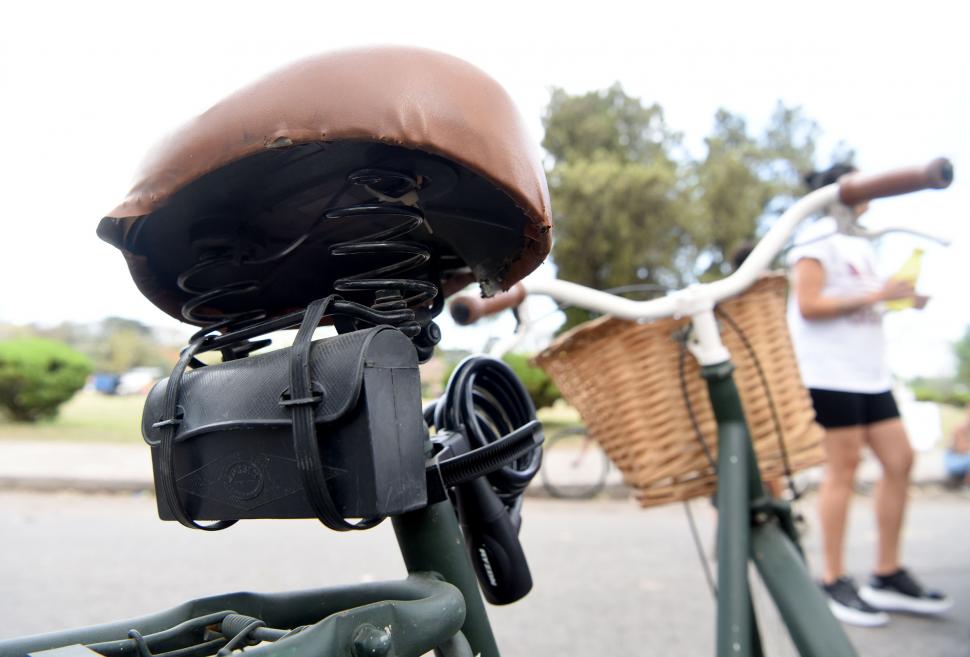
(900,592)
(848,607)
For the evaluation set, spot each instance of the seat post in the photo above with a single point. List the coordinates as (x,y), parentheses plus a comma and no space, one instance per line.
(431,540)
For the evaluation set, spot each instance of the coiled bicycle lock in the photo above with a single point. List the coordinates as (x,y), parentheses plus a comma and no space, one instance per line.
(487,451)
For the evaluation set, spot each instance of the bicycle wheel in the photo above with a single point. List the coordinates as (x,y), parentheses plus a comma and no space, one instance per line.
(574,466)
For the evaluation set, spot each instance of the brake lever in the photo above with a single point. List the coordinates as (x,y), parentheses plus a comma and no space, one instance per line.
(858,231)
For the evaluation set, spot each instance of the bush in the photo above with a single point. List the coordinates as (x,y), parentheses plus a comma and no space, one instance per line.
(541,388)
(538,384)
(958,396)
(37,376)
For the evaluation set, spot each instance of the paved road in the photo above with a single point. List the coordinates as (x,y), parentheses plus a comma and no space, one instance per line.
(610,578)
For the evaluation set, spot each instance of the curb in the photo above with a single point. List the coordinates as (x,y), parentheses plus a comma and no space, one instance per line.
(65,484)
(42,484)
(53,484)
(610,491)
(621,491)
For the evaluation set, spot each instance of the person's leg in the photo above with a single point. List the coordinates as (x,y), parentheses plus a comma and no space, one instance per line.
(889,443)
(842,446)
(892,587)
(843,416)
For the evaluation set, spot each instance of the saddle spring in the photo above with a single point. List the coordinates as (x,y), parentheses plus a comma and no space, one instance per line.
(398,300)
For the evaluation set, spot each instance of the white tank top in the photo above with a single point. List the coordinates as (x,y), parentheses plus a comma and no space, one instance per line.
(844,353)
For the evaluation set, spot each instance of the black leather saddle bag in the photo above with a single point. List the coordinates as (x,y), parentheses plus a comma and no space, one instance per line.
(234,451)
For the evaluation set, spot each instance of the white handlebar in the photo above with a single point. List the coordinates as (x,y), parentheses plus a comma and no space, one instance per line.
(696,298)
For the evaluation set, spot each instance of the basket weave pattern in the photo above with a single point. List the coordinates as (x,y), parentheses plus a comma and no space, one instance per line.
(623,378)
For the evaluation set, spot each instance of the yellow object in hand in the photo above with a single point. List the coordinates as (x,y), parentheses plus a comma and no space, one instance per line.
(909,273)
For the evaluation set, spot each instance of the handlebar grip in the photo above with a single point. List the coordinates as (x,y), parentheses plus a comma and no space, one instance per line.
(467,310)
(855,188)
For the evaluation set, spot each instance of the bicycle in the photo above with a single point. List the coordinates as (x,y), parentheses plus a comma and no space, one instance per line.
(752,524)
(260,215)
(584,470)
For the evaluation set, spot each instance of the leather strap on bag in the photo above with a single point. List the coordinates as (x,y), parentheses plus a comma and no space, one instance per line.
(166,461)
(301,402)
(305,447)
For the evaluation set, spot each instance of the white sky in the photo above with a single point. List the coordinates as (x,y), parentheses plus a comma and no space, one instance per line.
(86,88)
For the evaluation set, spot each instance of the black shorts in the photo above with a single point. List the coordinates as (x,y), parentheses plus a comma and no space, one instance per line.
(836,408)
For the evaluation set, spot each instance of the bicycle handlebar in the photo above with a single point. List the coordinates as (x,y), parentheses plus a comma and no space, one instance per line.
(467,310)
(851,190)
(857,188)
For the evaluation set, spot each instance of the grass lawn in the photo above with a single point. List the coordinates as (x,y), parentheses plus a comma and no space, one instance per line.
(558,416)
(89,416)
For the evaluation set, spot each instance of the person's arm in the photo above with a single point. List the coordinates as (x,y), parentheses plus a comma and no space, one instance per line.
(809,281)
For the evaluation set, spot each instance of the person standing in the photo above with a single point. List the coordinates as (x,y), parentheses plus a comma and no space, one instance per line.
(835,319)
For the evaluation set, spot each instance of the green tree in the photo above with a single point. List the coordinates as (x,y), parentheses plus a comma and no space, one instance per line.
(115,344)
(633,206)
(118,344)
(742,178)
(608,122)
(125,348)
(615,190)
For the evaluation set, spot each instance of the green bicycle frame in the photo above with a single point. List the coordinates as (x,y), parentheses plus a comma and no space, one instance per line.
(753,526)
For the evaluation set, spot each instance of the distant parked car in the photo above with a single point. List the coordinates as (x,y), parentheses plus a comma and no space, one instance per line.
(105,383)
(137,380)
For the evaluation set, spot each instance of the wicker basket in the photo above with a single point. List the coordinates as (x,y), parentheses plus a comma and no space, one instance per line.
(624,379)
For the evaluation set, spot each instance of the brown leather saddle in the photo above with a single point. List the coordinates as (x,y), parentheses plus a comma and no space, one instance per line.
(278,194)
